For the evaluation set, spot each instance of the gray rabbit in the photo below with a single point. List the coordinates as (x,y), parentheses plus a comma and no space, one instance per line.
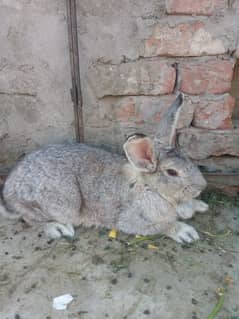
(67,185)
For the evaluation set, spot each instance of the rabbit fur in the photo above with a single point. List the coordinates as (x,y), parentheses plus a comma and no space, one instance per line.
(66,185)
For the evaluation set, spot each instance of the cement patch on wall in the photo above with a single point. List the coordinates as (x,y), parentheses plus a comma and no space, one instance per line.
(35,104)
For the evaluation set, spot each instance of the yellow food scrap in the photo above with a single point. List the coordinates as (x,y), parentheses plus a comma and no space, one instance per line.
(112,233)
(150,246)
(228,280)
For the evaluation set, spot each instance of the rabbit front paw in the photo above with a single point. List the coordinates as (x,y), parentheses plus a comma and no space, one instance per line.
(186,210)
(183,233)
(57,230)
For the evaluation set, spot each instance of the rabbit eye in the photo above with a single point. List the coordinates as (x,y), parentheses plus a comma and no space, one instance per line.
(172,172)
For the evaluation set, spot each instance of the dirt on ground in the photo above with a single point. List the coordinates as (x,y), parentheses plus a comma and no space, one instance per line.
(126,277)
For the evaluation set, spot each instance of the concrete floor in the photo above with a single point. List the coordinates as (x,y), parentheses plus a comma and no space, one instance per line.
(109,279)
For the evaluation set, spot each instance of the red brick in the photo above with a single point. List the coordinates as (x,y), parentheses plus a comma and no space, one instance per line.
(201,143)
(219,163)
(192,7)
(147,110)
(127,112)
(206,77)
(141,109)
(133,78)
(215,113)
(229,190)
(184,39)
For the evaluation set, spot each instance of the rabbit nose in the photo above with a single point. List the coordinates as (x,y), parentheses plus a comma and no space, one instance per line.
(202,183)
(199,182)
(200,188)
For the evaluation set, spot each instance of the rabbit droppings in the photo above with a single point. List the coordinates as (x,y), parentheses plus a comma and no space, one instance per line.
(67,185)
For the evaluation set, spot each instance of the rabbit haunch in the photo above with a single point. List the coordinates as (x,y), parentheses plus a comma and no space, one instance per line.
(67,185)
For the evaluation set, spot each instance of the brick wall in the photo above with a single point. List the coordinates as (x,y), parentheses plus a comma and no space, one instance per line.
(179,45)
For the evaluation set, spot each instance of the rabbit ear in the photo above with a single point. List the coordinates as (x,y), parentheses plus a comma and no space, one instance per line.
(166,134)
(140,153)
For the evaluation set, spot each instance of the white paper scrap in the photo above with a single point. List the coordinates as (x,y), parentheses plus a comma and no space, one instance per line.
(61,302)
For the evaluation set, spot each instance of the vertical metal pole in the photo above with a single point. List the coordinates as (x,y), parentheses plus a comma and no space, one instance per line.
(76,94)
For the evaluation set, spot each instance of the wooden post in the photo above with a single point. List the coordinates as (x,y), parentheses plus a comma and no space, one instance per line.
(76,94)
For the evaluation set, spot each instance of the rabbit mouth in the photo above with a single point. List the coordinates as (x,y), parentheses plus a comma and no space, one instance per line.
(196,194)
(188,193)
